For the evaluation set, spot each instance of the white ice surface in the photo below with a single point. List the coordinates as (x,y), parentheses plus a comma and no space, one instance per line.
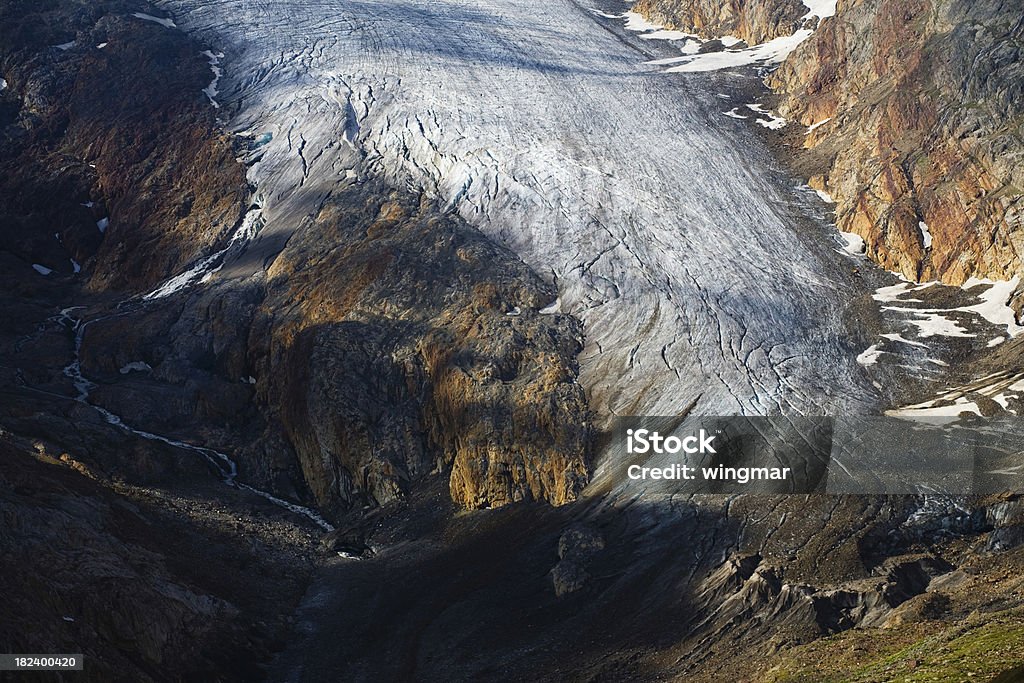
(815,126)
(853,243)
(135,366)
(169,23)
(926,234)
(667,234)
(820,8)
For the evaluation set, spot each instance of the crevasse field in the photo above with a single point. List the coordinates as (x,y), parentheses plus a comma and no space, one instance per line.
(662,222)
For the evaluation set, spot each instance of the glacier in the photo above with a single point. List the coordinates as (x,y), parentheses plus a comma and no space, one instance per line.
(667,228)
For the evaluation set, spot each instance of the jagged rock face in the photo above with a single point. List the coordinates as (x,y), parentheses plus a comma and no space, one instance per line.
(924,100)
(753,21)
(385,343)
(416,346)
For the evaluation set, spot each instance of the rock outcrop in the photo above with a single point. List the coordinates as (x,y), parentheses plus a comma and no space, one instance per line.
(142,582)
(416,346)
(753,21)
(916,110)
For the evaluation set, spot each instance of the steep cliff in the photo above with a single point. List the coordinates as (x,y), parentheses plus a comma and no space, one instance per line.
(917,111)
(416,346)
(753,21)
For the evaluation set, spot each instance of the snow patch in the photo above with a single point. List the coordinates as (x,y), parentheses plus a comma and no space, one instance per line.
(103,224)
(926,235)
(815,126)
(41,269)
(135,366)
(1001,387)
(668,34)
(65,46)
(993,306)
(995,342)
(692,47)
(823,9)
(168,23)
(734,115)
(204,268)
(552,308)
(893,293)
(773,52)
(870,356)
(101,46)
(853,243)
(940,414)
(637,22)
(932,324)
(901,340)
(772,121)
(211,90)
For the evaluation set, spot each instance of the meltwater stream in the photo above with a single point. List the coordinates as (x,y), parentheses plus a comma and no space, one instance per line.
(221,462)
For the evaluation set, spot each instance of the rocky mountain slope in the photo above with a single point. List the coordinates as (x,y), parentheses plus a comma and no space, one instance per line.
(349,341)
(752,21)
(911,120)
(917,110)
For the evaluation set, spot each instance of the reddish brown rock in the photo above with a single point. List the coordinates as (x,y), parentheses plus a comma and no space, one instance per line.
(753,21)
(923,101)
